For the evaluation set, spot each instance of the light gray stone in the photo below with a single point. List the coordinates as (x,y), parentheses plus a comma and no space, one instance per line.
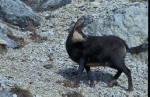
(128,22)
(4,40)
(8,42)
(3,30)
(50,24)
(5,93)
(18,13)
(46,5)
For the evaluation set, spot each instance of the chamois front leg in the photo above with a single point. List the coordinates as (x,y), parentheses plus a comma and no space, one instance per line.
(80,71)
(88,70)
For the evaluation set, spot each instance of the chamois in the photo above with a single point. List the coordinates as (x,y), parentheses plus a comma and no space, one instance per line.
(97,51)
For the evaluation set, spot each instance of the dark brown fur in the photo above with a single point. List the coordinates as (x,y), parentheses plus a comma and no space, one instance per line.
(98,51)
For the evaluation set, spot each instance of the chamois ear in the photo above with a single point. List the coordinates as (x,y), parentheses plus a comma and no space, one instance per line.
(70,29)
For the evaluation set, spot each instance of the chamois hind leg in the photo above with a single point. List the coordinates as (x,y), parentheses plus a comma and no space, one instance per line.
(128,74)
(114,79)
(122,68)
(88,70)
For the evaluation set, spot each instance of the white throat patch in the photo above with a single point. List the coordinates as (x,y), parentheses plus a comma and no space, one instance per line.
(77,37)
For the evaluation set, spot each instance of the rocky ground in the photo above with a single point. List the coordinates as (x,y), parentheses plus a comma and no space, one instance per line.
(40,66)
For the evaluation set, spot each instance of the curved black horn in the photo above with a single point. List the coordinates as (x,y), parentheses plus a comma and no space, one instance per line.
(79,24)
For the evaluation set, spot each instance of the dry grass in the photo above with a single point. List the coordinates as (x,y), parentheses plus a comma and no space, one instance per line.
(66,83)
(2,49)
(37,38)
(48,66)
(20,92)
(20,41)
(73,94)
(31,28)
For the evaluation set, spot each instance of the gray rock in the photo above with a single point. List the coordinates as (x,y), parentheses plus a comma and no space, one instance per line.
(3,30)
(128,22)
(50,24)
(45,5)
(18,13)
(5,93)
(50,3)
(8,42)
(4,40)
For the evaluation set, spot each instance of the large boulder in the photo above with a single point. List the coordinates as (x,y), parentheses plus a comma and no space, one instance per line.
(18,13)
(129,22)
(46,5)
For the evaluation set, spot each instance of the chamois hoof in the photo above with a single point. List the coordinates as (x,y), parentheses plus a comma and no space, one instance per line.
(76,85)
(130,89)
(75,73)
(92,84)
(112,83)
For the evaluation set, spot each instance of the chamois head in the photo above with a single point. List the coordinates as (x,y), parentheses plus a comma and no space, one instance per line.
(78,31)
